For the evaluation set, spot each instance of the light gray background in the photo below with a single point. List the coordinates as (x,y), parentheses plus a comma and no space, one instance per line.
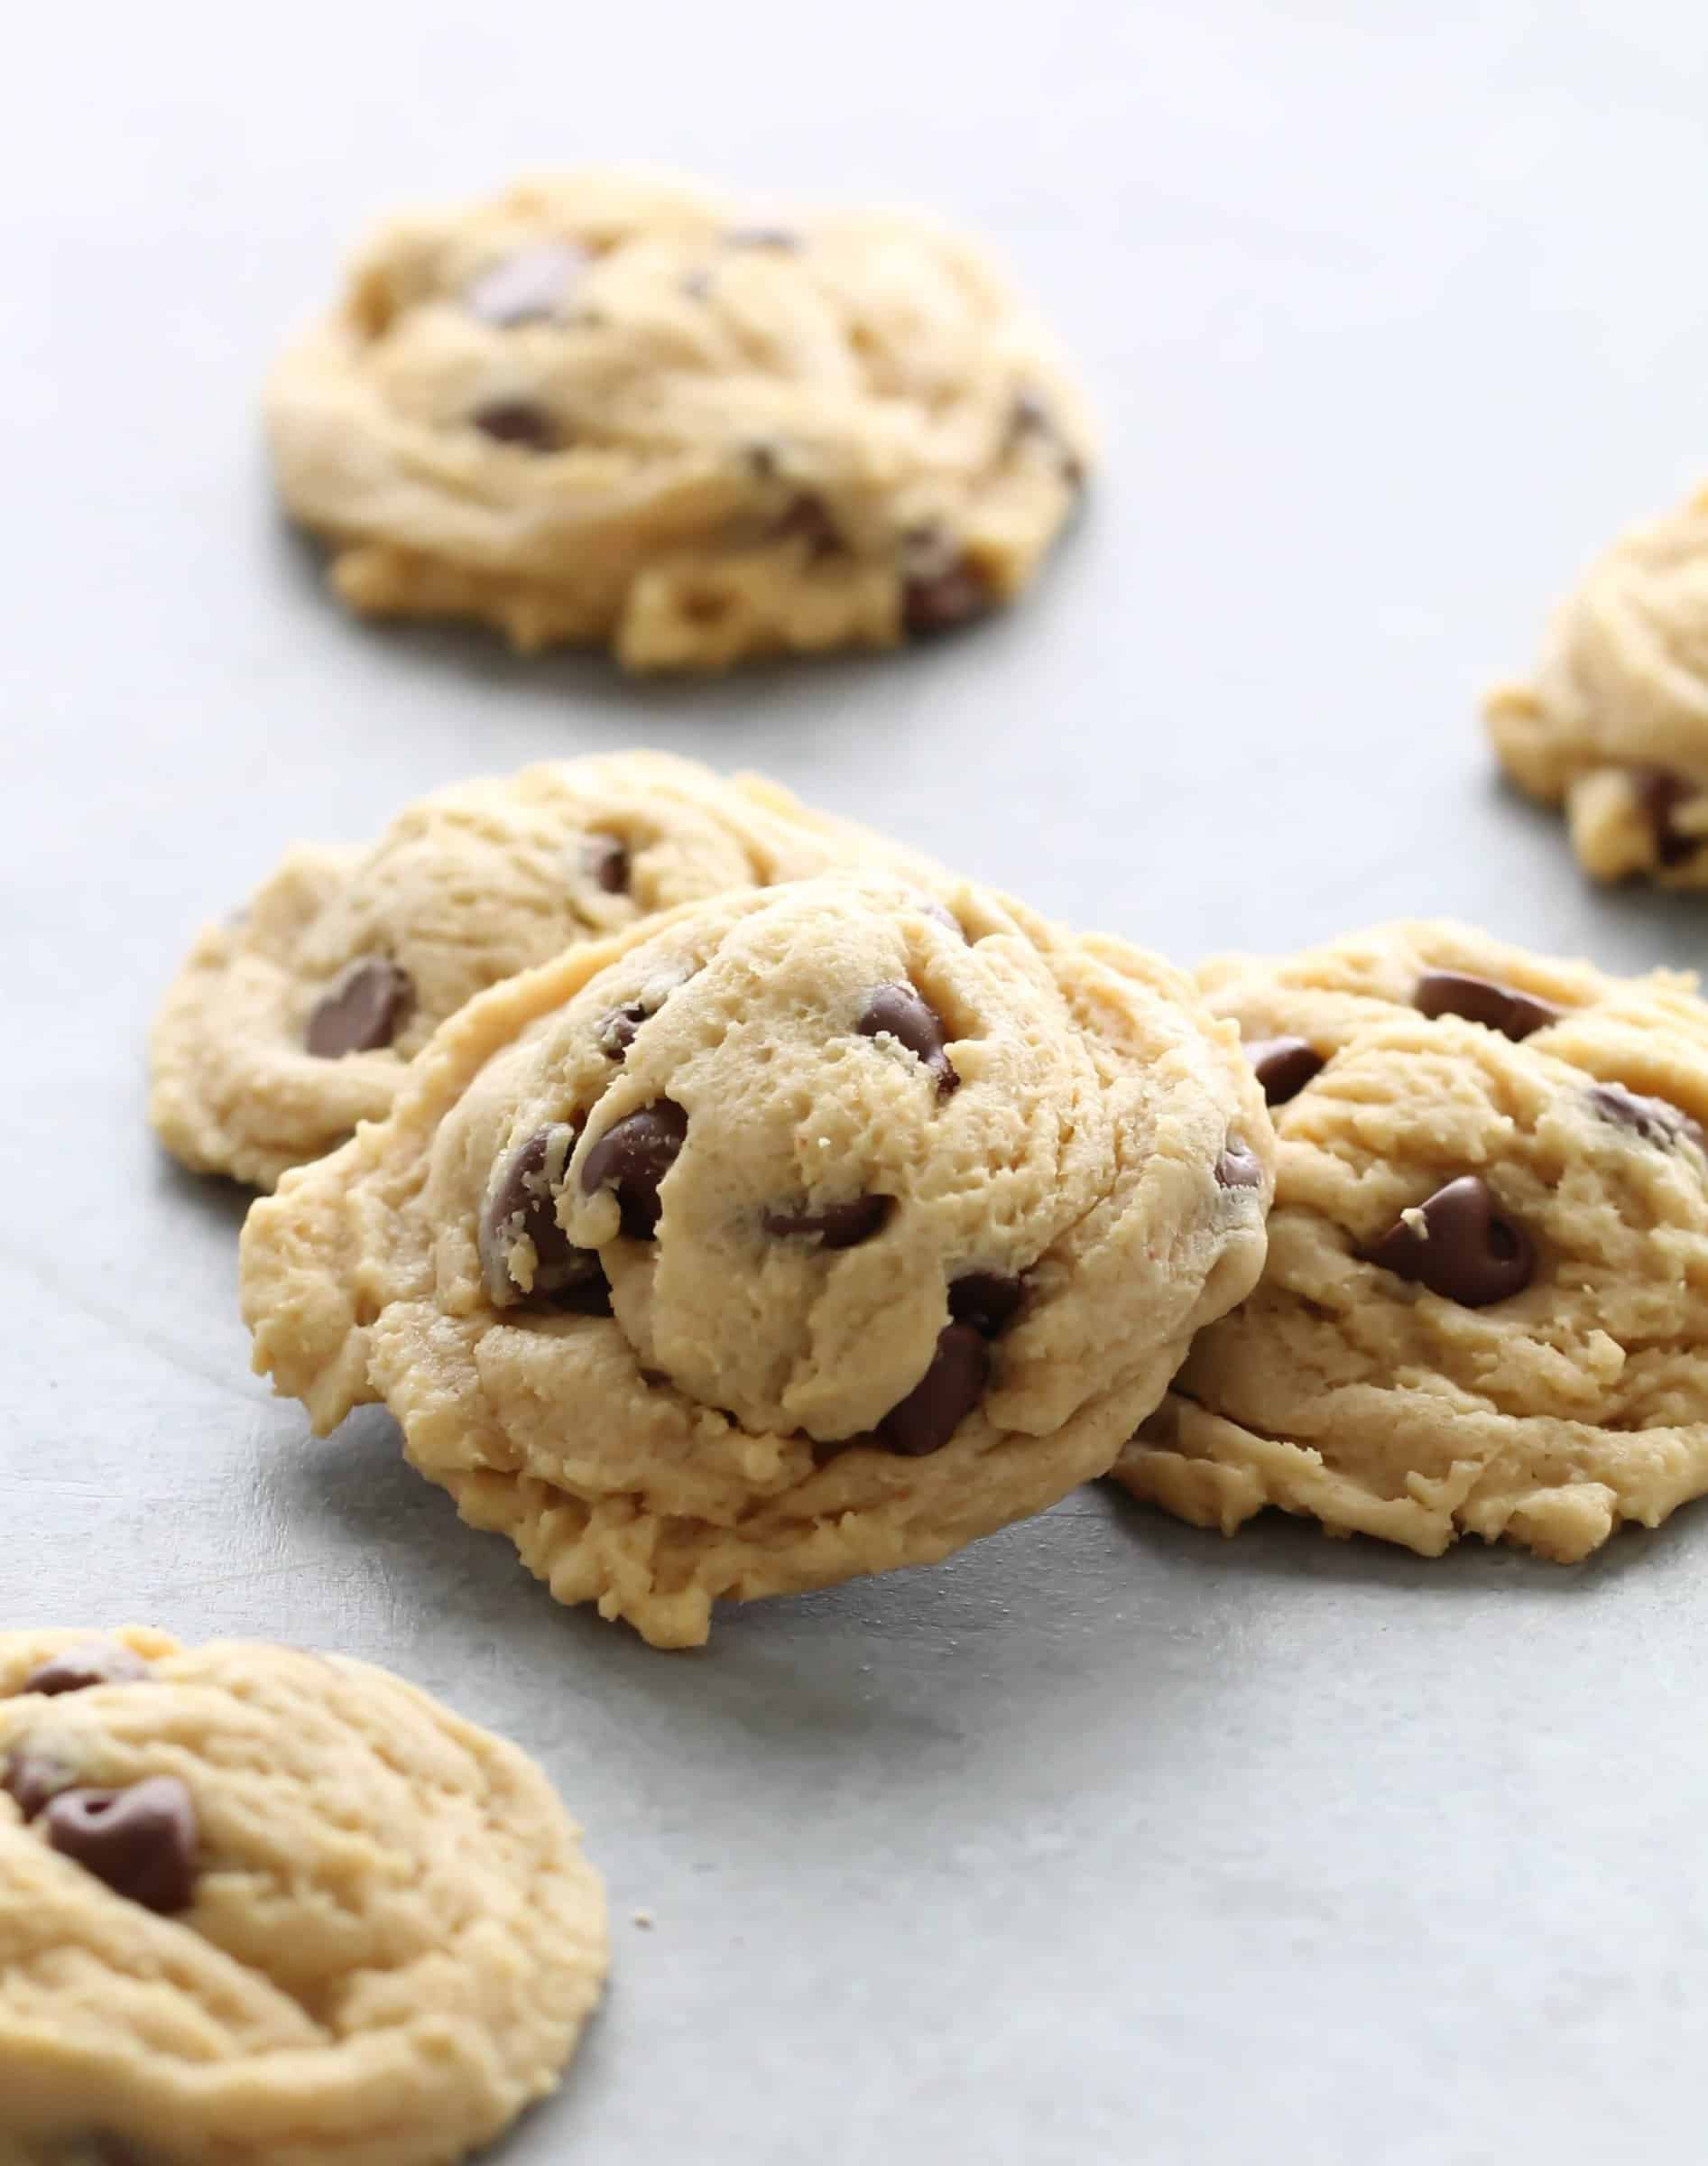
(1108,1842)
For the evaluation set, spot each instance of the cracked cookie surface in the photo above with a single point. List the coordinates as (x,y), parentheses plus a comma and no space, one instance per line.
(809,1233)
(1613,725)
(614,409)
(1486,1300)
(291,1023)
(262,1905)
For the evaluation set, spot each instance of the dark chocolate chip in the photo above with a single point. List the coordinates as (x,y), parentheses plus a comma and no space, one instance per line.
(90,1662)
(1284,1066)
(762,462)
(526,286)
(807,520)
(522,1205)
(901,1012)
(617,1031)
(139,1841)
(631,1157)
(1030,416)
(1655,1120)
(986,1300)
(1466,1250)
(762,237)
(365,1011)
(939,601)
(1239,1167)
(1480,1000)
(517,422)
(943,1396)
(588,1296)
(31,1780)
(1660,792)
(606,858)
(838,1225)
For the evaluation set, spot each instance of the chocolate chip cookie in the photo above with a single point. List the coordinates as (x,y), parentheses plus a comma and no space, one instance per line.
(294,1020)
(808,1233)
(610,409)
(1485,1307)
(1614,723)
(256,1903)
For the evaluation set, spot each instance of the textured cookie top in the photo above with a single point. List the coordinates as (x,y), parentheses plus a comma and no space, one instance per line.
(1486,1299)
(614,406)
(290,1023)
(266,1905)
(902,1216)
(1615,718)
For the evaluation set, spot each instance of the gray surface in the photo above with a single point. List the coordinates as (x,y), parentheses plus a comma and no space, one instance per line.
(1109,1841)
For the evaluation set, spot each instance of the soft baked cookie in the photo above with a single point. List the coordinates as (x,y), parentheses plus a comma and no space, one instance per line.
(265,1906)
(291,1023)
(1614,723)
(806,1234)
(1486,1301)
(614,409)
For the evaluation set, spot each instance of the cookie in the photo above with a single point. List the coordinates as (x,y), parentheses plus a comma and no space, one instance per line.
(1485,1308)
(1614,723)
(809,1233)
(294,1020)
(262,1904)
(611,409)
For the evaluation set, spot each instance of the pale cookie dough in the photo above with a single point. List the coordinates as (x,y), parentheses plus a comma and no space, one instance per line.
(265,1908)
(291,1023)
(1486,1302)
(807,1233)
(1614,723)
(616,410)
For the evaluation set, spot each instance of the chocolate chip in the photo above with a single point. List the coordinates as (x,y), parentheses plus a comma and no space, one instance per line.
(1239,1167)
(807,520)
(762,237)
(1659,793)
(943,1396)
(522,1207)
(1480,1000)
(986,1300)
(1654,1119)
(1284,1066)
(607,859)
(526,286)
(1465,1250)
(31,1780)
(762,461)
(631,1157)
(139,1841)
(617,1031)
(944,916)
(517,422)
(938,601)
(900,1013)
(696,285)
(89,1663)
(365,1011)
(1029,416)
(101,2148)
(838,1225)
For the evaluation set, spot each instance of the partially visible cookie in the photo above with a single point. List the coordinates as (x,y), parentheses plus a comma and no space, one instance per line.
(804,1234)
(1614,723)
(617,410)
(266,1905)
(1485,1307)
(297,1018)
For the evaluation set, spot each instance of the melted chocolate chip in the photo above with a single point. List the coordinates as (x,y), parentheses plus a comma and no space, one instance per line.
(1654,1119)
(901,1012)
(90,1662)
(762,237)
(1284,1066)
(517,422)
(1239,1167)
(522,1207)
(838,1225)
(365,1011)
(33,1780)
(1465,1250)
(939,601)
(807,520)
(943,1396)
(1659,793)
(139,1841)
(526,286)
(986,1300)
(617,1031)
(1480,1000)
(607,859)
(631,1157)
